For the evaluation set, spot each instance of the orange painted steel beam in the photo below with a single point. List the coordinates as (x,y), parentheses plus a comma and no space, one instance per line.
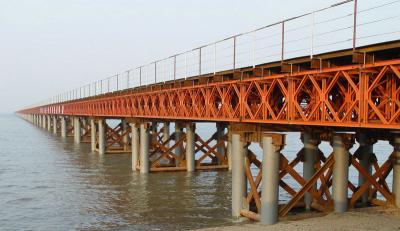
(356,96)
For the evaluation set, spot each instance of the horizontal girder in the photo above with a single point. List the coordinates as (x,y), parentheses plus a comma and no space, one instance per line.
(355,96)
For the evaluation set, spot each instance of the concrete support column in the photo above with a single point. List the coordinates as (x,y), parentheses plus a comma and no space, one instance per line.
(310,158)
(239,189)
(220,135)
(178,135)
(153,138)
(364,154)
(396,171)
(102,136)
(271,144)
(93,134)
(144,148)
(48,123)
(55,125)
(44,122)
(190,155)
(166,133)
(135,145)
(340,172)
(229,151)
(63,127)
(125,138)
(77,130)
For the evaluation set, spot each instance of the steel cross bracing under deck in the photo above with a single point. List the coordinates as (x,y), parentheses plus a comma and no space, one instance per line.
(355,95)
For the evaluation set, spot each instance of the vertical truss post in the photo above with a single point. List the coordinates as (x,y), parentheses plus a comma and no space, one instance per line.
(238,175)
(310,157)
(271,144)
(190,155)
(144,148)
(341,146)
(135,145)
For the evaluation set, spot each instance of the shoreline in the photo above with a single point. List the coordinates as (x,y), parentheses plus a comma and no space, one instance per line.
(372,218)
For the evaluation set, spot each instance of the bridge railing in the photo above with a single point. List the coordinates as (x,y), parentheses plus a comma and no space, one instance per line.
(344,25)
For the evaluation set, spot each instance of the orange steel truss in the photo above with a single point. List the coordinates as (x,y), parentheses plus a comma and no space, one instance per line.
(363,96)
(170,154)
(320,185)
(117,139)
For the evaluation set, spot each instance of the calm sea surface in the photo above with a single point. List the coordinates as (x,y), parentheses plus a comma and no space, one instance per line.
(47,183)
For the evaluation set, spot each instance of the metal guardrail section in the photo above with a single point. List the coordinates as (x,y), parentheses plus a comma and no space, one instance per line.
(344,25)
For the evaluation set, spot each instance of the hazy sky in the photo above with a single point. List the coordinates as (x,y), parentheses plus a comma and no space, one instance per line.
(50,46)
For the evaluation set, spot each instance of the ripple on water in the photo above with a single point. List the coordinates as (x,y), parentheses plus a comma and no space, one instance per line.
(52,184)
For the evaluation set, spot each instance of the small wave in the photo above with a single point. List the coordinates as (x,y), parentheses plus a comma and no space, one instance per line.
(21,200)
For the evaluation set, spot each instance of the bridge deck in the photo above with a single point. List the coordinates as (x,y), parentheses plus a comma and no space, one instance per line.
(343,89)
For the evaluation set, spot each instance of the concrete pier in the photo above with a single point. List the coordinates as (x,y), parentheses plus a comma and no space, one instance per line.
(44,124)
(144,148)
(190,155)
(77,130)
(63,127)
(178,135)
(239,189)
(340,173)
(93,134)
(310,158)
(271,145)
(48,123)
(55,125)
(229,151)
(125,137)
(396,171)
(135,145)
(102,136)
(365,151)
(166,133)
(220,137)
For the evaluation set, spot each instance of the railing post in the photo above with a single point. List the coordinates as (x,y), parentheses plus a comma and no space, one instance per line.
(186,73)
(234,53)
(355,26)
(140,76)
(127,79)
(155,72)
(312,34)
(254,49)
(215,58)
(283,42)
(199,61)
(174,68)
(117,82)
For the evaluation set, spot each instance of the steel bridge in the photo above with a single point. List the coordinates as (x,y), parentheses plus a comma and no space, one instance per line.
(347,92)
